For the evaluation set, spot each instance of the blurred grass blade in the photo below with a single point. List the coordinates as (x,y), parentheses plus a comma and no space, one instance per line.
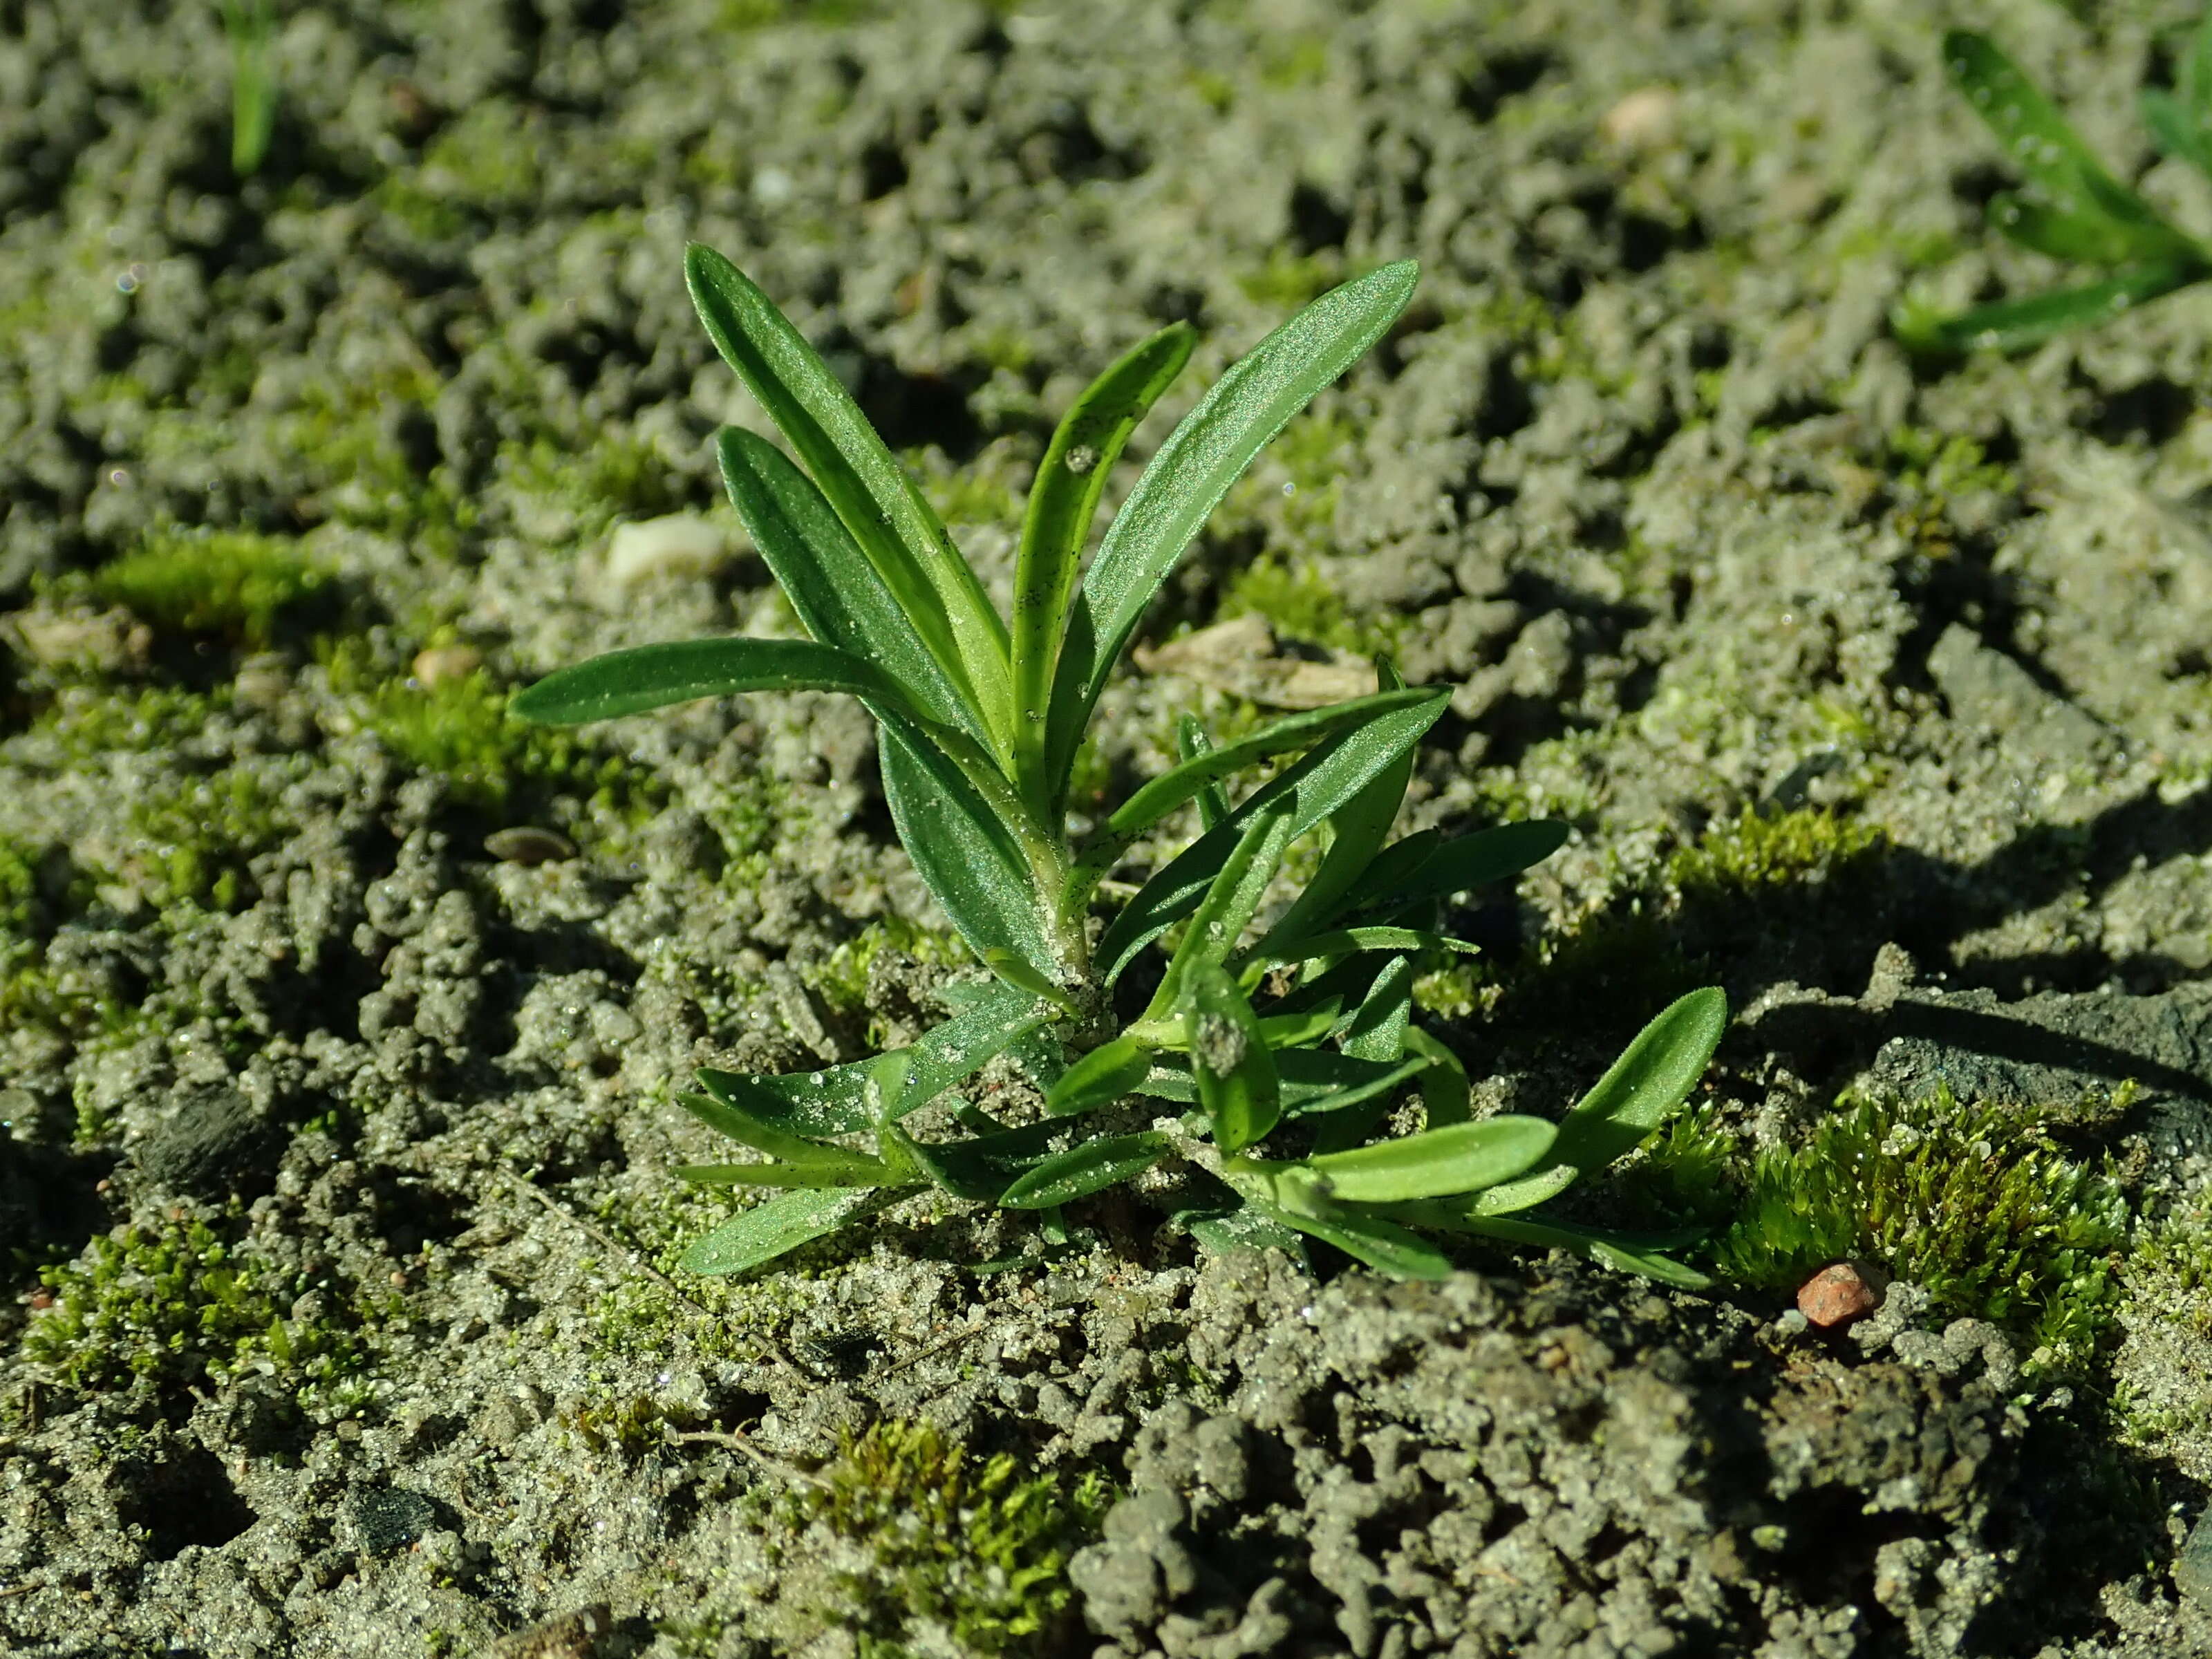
(1321,782)
(1383,1245)
(2017,325)
(2067,182)
(1191,472)
(2176,131)
(1100,1077)
(863,482)
(1193,776)
(1238,1087)
(1191,742)
(1062,503)
(837,592)
(783,1224)
(1084,1170)
(1463,1158)
(251,26)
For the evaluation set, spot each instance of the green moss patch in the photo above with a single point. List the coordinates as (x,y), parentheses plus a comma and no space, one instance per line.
(232,584)
(174,1302)
(955,1546)
(1976,1203)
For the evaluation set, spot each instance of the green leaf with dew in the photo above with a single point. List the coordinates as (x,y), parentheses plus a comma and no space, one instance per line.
(838,594)
(1206,453)
(836,1100)
(1085,1168)
(723,1110)
(1321,782)
(981,873)
(2018,325)
(1100,1077)
(1238,1084)
(862,481)
(1460,1157)
(2066,183)
(783,1224)
(1062,503)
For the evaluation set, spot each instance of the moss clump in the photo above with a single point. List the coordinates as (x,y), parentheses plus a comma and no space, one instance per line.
(618,477)
(172,1302)
(193,844)
(1757,850)
(460,728)
(949,1546)
(1302,604)
(84,721)
(1977,1204)
(842,978)
(229,583)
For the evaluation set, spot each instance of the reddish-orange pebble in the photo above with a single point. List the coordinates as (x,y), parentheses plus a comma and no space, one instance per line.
(1835,1296)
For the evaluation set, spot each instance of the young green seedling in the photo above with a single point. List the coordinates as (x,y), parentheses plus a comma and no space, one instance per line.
(981,719)
(2072,209)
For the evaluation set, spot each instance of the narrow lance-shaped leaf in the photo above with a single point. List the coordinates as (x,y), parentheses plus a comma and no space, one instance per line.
(835,590)
(1463,1158)
(1229,902)
(2176,130)
(1444,1094)
(724,1112)
(1062,503)
(1383,1245)
(1082,1169)
(648,677)
(1343,940)
(1194,775)
(1612,1248)
(1191,472)
(1235,1074)
(1321,782)
(1376,1034)
(2018,325)
(1466,862)
(836,1100)
(1638,1092)
(2067,179)
(862,481)
(1357,832)
(963,851)
(1100,1077)
(770,1230)
(1191,742)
